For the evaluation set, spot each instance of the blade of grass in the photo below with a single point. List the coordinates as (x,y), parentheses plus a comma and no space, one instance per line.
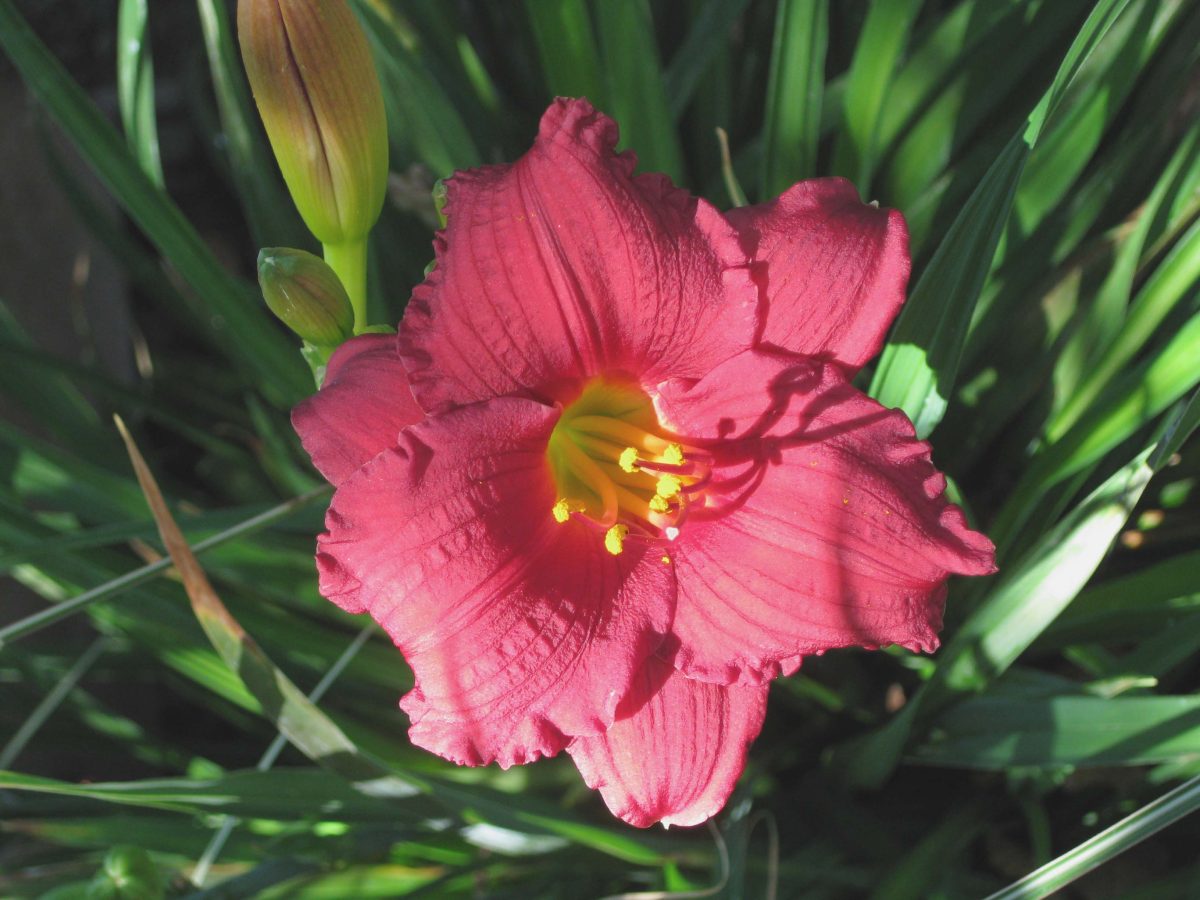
(1022,604)
(998,733)
(213,850)
(794,89)
(1106,845)
(12,749)
(421,117)
(253,170)
(286,794)
(135,86)
(634,79)
(1134,401)
(1136,605)
(316,735)
(919,365)
(567,47)
(30,624)
(237,321)
(881,42)
(707,34)
(1169,286)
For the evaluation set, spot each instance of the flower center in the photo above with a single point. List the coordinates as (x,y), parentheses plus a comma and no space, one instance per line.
(616,465)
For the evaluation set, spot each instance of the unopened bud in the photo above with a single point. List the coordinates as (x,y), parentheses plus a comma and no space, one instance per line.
(319,97)
(306,294)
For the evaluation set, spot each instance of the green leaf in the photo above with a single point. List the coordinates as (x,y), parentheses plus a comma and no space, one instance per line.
(1106,845)
(1001,732)
(135,86)
(1136,399)
(794,89)
(237,322)
(1167,288)
(706,36)
(567,47)
(253,170)
(637,98)
(1022,604)
(883,39)
(304,794)
(30,624)
(919,365)
(420,115)
(1031,593)
(1132,606)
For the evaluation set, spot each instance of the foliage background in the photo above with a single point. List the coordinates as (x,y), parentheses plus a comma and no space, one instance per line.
(1047,156)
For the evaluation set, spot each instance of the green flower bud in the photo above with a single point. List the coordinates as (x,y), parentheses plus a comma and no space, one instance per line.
(319,97)
(128,873)
(306,294)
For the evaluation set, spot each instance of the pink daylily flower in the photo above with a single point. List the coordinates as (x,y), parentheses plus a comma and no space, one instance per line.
(611,476)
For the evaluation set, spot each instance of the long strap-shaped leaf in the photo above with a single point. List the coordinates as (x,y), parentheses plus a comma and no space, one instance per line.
(1095,851)
(321,740)
(920,362)
(237,321)
(297,717)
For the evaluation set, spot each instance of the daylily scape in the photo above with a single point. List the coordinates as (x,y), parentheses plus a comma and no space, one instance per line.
(611,476)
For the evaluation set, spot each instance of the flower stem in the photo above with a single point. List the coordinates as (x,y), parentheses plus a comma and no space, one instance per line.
(349,261)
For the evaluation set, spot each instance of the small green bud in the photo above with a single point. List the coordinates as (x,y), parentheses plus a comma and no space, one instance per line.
(128,873)
(319,96)
(305,293)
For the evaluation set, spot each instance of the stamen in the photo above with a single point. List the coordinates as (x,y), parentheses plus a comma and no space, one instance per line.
(564,507)
(587,471)
(668,486)
(614,539)
(622,432)
(615,465)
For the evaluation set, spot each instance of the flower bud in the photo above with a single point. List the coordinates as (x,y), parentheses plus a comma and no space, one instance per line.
(319,97)
(306,294)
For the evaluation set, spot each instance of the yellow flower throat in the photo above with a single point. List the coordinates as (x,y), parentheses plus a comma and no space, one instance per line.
(616,465)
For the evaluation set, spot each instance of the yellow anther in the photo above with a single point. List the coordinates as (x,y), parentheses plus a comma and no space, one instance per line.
(666,560)
(563,508)
(562,511)
(673,455)
(628,459)
(659,504)
(614,539)
(668,486)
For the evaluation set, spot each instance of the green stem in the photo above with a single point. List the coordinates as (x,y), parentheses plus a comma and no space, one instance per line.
(349,261)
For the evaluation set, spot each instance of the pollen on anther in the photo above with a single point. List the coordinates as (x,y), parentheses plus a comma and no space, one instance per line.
(668,486)
(561,511)
(614,539)
(659,504)
(673,454)
(628,460)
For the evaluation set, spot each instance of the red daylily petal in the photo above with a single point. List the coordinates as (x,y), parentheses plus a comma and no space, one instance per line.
(360,409)
(832,268)
(521,632)
(564,266)
(826,524)
(676,749)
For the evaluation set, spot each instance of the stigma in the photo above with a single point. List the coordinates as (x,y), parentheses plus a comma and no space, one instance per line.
(615,465)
